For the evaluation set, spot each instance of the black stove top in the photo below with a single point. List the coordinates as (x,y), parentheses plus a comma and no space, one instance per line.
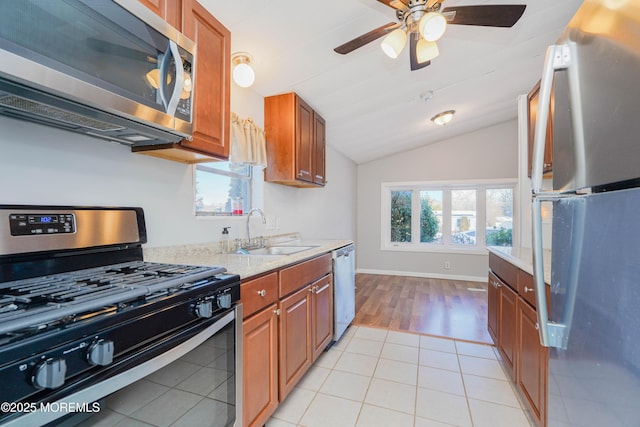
(34,302)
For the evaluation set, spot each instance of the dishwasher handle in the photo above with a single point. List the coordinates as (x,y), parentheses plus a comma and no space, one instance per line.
(344,251)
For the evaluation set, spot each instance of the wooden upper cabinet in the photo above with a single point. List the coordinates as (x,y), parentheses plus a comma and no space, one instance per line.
(296,142)
(304,141)
(532,111)
(320,150)
(211,92)
(169,10)
(211,103)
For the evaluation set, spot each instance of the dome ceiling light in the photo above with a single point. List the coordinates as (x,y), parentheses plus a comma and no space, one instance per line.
(243,74)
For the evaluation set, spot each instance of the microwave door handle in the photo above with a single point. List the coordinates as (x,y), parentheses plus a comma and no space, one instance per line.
(177,89)
(164,67)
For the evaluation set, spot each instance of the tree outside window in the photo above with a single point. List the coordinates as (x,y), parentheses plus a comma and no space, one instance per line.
(401,216)
(499,227)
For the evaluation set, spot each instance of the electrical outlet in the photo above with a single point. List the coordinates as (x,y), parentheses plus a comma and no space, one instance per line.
(447,265)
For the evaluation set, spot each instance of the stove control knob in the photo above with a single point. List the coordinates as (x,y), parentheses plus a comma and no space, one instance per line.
(50,373)
(204,309)
(100,353)
(224,300)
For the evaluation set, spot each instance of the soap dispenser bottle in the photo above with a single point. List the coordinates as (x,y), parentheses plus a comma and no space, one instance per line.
(225,240)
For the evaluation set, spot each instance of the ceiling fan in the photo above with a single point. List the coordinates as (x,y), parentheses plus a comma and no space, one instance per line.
(423,23)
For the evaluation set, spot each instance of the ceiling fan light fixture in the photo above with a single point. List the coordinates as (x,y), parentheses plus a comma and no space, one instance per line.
(426,50)
(394,42)
(243,74)
(443,118)
(432,26)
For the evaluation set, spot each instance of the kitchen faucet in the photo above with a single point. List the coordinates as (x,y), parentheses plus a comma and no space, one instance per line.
(264,221)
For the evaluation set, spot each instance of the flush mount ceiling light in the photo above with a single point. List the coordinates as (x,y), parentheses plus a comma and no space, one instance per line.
(443,118)
(242,73)
(422,23)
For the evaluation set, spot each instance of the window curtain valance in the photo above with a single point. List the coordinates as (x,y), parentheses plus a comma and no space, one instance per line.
(248,144)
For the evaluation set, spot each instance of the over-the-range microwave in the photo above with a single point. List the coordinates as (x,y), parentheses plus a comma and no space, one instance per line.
(106,68)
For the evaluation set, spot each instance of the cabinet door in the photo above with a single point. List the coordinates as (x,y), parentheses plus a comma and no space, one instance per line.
(319,149)
(260,367)
(295,339)
(304,140)
(211,101)
(532,362)
(507,328)
(322,314)
(493,306)
(532,111)
(169,10)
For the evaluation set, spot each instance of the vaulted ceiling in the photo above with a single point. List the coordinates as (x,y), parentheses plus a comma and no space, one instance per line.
(375,106)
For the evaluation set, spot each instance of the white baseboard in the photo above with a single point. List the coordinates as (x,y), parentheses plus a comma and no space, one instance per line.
(426,275)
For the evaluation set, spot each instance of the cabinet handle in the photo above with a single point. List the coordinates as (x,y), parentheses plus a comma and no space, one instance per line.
(262,292)
(312,289)
(495,284)
(529,290)
(276,312)
(320,289)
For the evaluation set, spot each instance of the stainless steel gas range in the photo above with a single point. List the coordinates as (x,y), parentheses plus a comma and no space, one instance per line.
(82,315)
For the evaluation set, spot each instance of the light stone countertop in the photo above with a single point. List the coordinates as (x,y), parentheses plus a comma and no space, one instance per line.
(523,259)
(244,265)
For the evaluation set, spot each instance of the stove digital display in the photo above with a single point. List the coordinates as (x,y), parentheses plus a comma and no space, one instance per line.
(42,219)
(38,224)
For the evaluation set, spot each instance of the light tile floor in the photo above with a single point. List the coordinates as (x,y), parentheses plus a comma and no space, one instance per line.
(375,377)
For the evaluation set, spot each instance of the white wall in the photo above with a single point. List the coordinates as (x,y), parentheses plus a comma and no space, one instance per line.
(489,153)
(42,165)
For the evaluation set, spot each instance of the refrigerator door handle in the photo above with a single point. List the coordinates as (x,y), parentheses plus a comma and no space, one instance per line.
(558,57)
(538,272)
(556,334)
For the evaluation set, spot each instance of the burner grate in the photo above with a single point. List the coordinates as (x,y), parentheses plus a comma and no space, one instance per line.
(35,302)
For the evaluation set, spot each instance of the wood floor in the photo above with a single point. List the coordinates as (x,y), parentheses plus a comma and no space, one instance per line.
(446,308)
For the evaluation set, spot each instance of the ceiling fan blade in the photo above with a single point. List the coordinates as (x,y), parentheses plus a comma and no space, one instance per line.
(496,15)
(366,38)
(413,52)
(396,4)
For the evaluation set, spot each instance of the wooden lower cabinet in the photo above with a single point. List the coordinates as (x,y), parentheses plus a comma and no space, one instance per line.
(511,322)
(295,339)
(288,322)
(260,385)
(493,305)
(507,340)
(322,315)
(532,362)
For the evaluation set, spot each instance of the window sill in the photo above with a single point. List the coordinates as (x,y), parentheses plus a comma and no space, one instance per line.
(476,250)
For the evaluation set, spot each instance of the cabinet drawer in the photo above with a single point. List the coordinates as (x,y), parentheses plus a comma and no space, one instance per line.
(299,275)
(504,270)
(525,288)
(258,293)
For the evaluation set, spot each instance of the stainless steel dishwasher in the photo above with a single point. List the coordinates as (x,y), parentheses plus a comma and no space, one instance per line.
(344,289)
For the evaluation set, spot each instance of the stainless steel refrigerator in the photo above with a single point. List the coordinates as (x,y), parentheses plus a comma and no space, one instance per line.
(592,326)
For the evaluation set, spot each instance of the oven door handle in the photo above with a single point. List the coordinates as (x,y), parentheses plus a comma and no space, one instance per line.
(116,382)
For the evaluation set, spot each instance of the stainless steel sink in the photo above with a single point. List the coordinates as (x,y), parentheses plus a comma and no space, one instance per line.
(279,250)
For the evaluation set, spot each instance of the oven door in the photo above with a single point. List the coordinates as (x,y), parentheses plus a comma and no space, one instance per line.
(188,378)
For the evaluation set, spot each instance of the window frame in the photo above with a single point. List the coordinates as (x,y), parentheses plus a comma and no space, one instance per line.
(446,186)
(202,167)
